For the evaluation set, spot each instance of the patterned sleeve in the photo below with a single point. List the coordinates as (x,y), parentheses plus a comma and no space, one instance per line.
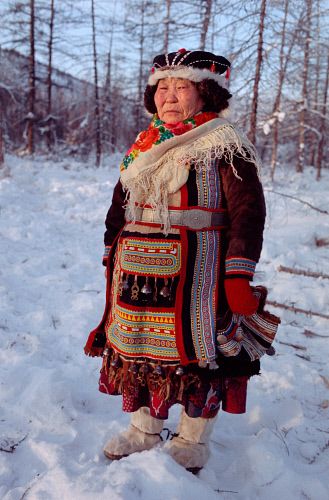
(115,219)
(246,210)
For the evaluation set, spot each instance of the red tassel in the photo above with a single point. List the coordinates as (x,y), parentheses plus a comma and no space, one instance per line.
(213,68)
(227,74)
(90,349)
(152,69)
(182,51)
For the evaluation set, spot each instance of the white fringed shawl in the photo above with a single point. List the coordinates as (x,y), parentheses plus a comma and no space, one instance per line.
(164,169)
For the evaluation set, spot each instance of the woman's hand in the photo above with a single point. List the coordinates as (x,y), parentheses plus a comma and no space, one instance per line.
(239,296)
(105,273)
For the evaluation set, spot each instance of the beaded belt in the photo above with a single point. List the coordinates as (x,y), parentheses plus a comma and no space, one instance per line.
(195,218)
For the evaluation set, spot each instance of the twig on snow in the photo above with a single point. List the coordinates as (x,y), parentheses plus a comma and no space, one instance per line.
(300,201)
(322,242)
(295,346)
(296,309)
(9,445)
(310,334)
(302,272)
(226,491)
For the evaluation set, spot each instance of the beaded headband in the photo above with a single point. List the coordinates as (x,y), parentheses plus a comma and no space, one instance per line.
(194,65)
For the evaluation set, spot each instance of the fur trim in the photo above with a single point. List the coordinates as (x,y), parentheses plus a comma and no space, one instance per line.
(187,73)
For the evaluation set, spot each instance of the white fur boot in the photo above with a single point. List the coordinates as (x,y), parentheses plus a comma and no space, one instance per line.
(191,447)
(142,434)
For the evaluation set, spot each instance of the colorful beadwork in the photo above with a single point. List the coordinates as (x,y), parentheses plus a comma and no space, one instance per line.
(143,333)
(240,265)
(151,258)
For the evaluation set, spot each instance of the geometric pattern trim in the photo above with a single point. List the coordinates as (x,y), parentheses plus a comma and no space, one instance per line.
(143,333)
(145,257)
(240,265)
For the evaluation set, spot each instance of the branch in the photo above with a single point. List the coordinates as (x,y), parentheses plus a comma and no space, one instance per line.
(310,334)
(322,242)
(300,201)
(296,309)
(9,445)
(295,346)
(302,272)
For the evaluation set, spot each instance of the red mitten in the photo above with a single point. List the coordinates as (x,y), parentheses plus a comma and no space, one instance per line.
(240,297)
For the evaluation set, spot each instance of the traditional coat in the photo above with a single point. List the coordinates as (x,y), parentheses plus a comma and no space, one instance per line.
(165,292)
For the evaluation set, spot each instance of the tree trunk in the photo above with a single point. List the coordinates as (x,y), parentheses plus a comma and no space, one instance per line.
(49,74)
(31,84)
(97,106)
(205,23)
(108,108)
(314,144)
(166,23)
(322,126)
(253,117)
(141,72)
(302,113)
(2,153)
(277,103)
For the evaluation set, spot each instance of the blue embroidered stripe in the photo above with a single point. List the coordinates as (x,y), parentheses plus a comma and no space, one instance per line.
(106,252)
(240,265)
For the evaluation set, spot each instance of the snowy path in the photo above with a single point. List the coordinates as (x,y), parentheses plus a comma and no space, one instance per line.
(52,294)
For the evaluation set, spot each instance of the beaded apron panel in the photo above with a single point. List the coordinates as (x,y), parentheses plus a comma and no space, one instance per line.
(142,319)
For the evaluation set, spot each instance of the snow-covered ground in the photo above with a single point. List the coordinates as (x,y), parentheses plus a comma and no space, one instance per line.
(53,420)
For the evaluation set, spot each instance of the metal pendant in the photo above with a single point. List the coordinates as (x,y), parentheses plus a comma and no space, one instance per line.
(125,284)
(165,290)
(147,289)
(106,352)
(179,371)
(158,370)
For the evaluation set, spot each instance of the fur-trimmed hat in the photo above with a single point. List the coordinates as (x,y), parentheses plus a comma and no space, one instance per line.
(194,65)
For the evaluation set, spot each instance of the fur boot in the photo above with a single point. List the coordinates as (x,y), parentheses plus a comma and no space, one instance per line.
(143,433)
(191,447)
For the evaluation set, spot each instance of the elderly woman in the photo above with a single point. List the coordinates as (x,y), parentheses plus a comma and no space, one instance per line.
(183,236)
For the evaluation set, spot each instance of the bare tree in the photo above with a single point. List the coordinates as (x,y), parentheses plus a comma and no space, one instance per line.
(166,23)
(49,74)
(109,114)
(2,148)
(253,116)
(141,66)
(283,64)
(302,113)
(315,144)
(322,125)
(31,83)
(97,103)
(206,4)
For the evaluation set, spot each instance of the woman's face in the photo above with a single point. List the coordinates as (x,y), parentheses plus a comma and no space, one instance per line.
(177,99)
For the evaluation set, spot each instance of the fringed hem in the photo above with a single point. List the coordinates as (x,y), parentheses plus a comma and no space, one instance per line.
(159,386)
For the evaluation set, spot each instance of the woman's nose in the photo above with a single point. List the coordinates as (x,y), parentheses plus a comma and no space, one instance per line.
(171,96)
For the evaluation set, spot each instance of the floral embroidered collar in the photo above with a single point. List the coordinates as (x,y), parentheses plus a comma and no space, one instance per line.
(159,132)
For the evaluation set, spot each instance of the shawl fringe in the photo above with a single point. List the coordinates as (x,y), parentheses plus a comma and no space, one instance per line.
(151,185)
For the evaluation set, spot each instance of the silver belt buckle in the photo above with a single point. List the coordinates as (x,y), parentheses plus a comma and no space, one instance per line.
(196,219)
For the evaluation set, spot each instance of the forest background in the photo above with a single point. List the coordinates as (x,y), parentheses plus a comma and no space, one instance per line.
(73,73)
